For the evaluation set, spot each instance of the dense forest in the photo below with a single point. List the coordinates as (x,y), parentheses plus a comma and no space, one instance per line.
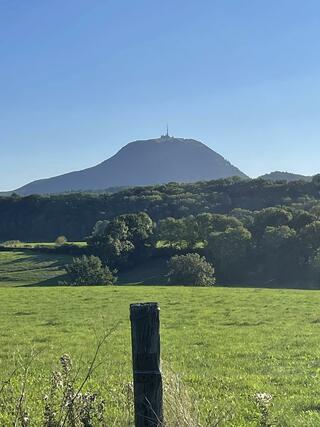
(251,231)
(43,218)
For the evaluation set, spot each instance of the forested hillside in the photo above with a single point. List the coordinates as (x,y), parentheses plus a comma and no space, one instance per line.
(285,176)
(43,218)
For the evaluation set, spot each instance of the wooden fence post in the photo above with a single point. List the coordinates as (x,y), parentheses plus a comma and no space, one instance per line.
(147,380)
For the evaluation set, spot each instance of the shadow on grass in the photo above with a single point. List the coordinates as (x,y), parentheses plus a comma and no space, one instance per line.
(53,281)
(152,273)
(35,259)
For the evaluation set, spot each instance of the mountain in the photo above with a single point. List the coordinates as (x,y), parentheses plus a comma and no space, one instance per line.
(146,162)
(285,176)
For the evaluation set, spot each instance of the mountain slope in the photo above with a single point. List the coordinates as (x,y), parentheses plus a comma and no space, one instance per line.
(146,162)
(285,176)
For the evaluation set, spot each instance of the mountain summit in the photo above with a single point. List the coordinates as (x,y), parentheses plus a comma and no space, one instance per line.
(146,162)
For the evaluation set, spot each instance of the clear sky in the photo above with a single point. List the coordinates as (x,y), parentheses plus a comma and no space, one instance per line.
(81,78)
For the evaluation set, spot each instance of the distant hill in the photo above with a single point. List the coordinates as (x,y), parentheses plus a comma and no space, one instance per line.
(154,161)
(285,176)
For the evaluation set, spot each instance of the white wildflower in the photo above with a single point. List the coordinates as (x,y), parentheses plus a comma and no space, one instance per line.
(263,399)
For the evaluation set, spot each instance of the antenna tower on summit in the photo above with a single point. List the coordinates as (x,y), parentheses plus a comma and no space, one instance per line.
(166,136)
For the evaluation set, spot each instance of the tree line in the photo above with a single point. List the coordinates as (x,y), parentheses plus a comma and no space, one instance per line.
(273,246)
(43,218)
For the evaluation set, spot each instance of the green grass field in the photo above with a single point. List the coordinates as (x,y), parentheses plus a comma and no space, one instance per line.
(31,245)
(227,344)
(27,268)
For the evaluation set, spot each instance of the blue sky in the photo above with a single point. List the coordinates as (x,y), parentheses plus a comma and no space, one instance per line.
(79,79)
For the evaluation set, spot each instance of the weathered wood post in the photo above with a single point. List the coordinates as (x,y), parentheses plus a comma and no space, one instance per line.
(147,380)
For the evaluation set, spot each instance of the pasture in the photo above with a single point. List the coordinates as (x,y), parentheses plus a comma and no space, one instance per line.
(226,344)
(27,268)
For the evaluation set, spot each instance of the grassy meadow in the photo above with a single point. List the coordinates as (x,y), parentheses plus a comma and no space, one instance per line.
(27,268)
(225,343)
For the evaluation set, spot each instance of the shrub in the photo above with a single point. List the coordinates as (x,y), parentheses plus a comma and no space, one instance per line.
(190,269)
(61,240)
(89,271)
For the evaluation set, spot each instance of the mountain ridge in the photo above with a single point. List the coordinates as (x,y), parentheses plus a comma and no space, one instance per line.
(285,176)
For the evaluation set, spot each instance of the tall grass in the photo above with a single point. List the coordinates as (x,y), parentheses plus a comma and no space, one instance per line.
(66,400)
